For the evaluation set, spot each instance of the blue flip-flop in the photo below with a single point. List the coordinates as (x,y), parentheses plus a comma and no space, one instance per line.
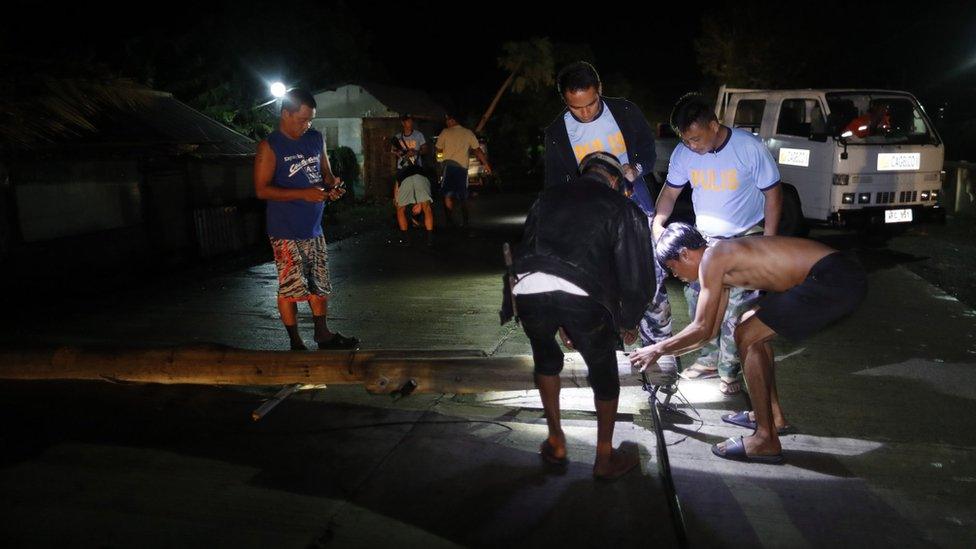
(741,419)
(735,450)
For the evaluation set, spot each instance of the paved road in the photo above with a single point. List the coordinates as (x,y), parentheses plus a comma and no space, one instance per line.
(883,402)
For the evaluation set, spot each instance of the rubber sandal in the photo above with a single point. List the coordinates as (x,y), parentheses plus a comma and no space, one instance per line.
(741,419)
(735,450)
(339,342)
(729,388)
(698,371)
(632,454)
(548,454)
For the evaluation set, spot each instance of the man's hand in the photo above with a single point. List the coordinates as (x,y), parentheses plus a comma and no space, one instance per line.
(657,230)
(565,338)
(629,336)
(645,356)
(630,174)
(337,190)
(411,153)
(313,194)
(487,168)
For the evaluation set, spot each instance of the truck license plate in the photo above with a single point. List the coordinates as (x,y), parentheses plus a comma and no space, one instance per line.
(898,216)
(899,161)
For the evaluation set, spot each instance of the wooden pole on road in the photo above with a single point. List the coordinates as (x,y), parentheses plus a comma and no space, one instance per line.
(380,372)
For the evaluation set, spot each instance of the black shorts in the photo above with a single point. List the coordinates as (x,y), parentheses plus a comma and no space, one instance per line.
(588,325)
(834,287)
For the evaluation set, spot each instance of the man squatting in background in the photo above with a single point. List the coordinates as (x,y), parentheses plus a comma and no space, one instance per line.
(412,188)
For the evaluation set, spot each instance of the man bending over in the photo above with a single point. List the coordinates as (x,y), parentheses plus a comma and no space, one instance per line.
(809,286)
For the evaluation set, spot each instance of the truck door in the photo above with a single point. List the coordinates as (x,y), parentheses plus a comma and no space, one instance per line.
(805,163)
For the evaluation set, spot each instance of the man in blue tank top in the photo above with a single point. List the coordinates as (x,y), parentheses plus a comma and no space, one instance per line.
(292,173)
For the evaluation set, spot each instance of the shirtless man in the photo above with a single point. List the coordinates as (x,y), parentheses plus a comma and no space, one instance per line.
(809,286)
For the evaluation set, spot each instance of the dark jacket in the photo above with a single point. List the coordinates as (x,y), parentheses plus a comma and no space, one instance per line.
(561,165)
(594,237)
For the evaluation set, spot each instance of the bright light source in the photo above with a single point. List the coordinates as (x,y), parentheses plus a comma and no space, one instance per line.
(278,89)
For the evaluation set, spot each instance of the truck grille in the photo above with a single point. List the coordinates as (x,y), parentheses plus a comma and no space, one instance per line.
(908,196)
(885,197)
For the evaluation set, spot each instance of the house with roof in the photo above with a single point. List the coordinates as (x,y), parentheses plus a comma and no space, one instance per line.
(363,116)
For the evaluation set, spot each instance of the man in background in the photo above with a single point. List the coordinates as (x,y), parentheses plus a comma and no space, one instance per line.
(456,143)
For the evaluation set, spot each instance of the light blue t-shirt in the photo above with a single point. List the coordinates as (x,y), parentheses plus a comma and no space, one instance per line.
(411,142)
(600,134)
(603,134)
(726,184)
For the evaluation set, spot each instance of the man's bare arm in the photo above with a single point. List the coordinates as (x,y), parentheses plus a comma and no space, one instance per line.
(663,209)
(711,334)
(326,168)
(712,302)
(483,158)
(773,209)
(264,169)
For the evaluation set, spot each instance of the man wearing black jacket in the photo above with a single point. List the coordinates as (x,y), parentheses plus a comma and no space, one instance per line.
(583,267)
(592,123)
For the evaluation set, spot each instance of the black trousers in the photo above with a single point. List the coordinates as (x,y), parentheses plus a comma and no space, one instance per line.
(588,325)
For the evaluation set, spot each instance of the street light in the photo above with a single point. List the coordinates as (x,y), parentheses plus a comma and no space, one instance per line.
(278,90)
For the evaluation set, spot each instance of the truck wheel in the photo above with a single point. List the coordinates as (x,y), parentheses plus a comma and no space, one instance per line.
(792,222)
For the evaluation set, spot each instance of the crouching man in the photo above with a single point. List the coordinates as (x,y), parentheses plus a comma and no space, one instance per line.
(583,268)
(809,286)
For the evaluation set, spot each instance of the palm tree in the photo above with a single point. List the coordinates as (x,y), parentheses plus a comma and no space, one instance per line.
(530,66)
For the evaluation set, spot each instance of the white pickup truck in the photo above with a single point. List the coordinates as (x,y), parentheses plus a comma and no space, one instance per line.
(847,158)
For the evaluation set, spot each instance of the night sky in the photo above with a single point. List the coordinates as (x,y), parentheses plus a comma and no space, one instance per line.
(450,49)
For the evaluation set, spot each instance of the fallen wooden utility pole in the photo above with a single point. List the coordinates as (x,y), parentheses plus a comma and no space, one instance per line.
(380,372)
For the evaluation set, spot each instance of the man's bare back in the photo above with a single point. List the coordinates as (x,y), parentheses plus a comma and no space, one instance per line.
(774,263)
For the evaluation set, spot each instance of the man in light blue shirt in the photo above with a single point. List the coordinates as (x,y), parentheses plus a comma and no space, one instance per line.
(735,186)
(593,123)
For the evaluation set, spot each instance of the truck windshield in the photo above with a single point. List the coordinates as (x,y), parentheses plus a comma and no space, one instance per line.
(866,118)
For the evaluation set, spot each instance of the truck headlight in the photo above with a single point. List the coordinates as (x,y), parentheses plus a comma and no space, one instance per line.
(847,198)
(864,198)
(934,195)
(925,195)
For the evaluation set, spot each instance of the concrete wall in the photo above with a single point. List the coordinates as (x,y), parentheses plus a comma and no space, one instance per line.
(57,199)
(342,132)
(162,205)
